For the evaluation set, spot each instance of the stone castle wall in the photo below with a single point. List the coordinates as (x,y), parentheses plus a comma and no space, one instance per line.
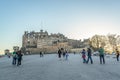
(35,42)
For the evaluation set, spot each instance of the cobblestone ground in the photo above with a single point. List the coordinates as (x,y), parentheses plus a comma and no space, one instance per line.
(51,68)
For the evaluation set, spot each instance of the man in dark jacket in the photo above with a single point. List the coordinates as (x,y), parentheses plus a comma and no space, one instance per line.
(40,54)
(59,53)
(19,57)
(117,54)
(89,55)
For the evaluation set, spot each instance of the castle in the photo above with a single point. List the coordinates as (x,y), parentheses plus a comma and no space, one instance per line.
(41,41)
(34,42)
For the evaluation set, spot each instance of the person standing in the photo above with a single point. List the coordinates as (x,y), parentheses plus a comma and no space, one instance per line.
(59,54)
(101,54)
(19,54)
(63,52)
(43,54)
(84,55)
(117,54)
(66,55)
(40,54)
(74,53)
(89,55)
(14,54)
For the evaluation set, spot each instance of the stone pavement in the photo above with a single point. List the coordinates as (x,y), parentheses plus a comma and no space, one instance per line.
(51,68)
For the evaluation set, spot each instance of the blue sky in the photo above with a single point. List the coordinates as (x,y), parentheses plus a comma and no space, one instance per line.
(76,19)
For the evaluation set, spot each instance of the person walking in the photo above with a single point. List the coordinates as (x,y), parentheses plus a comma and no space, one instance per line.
(101,54)
(89,54)
(84,55)
(117,54)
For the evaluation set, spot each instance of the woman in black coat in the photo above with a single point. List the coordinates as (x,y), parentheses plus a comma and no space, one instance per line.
(19,57)
(59,53)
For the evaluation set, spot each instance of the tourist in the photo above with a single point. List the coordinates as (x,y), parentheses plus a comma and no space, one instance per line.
(63,52)
(74,53)
(89,54)
(101,54)
(40,54)
(59,54)
(19,54)
(43,54)
(117,54)
(66,55)
(14,54)
(84,55)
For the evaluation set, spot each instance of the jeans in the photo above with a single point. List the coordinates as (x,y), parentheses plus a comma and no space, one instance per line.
(117,57)
(89,57)
(84,60)
(19,61)
(66,57)
(14,61)
(102,59)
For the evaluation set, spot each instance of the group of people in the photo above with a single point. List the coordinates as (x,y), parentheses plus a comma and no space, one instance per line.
(86,55)
(89,55)
(64,53)
(101,55)
(17,57)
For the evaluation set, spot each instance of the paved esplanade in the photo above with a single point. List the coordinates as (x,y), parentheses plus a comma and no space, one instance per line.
(50,68)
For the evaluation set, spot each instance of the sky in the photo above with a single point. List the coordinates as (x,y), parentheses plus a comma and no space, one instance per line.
(76,19)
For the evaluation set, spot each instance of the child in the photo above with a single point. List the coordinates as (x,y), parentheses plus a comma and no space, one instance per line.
(84,55)
(66,56)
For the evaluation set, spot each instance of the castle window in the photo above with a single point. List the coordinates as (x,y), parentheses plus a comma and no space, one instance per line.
(28,41)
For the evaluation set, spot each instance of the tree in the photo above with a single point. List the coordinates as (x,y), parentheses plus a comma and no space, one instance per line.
(97,41)
(118,40)
(112,40)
